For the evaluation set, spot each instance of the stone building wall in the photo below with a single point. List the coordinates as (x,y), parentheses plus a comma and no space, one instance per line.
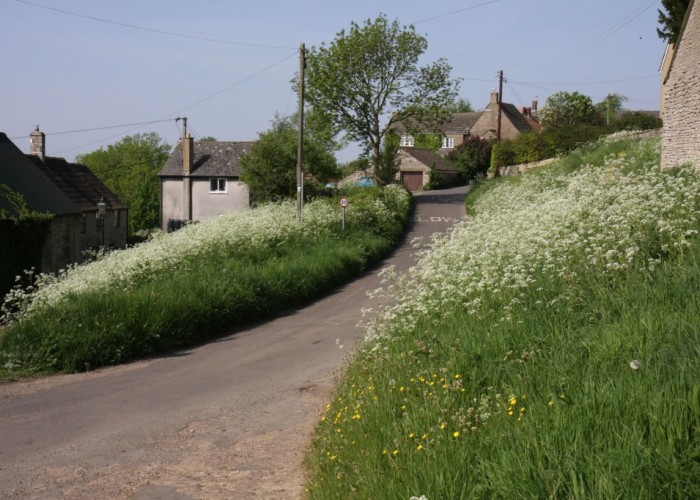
(681,133)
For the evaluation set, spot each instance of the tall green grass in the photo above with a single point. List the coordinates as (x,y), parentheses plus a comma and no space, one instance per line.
(575,376)
(202,294)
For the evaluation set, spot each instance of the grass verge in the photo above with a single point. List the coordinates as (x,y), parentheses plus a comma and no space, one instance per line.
(533,356)
(164,303)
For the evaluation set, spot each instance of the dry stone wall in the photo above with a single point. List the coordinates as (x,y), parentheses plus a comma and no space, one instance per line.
(681,132)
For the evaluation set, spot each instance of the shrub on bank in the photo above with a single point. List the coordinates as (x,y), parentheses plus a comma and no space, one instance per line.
(199,282)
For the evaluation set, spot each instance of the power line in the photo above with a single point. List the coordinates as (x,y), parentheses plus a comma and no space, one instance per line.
(604,36)
(240,82)
(166,118)
(589,83)
(98,128)
(454,12)
(153,30)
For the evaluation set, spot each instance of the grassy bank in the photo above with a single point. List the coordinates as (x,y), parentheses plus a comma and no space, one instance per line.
(183,288)
(547,348)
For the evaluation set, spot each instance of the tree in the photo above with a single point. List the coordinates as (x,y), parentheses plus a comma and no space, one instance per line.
(671,21)
(567,108)
(368,79)
(472,157)
(610,108)
(130,169)
(269,167)
(460,105)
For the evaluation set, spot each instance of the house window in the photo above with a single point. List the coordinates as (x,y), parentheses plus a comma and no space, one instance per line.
(448,142)
(116,218)
(217,185)
(83,224)
(407,141)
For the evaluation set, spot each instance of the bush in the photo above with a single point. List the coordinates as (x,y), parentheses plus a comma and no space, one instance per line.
(472,157)
(569,137)
(637,121)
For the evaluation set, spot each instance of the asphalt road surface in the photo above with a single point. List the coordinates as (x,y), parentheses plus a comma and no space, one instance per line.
(229,419)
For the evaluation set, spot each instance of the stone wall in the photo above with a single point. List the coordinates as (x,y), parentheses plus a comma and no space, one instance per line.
(681,133)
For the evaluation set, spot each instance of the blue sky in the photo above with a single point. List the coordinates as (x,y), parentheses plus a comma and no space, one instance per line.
(88,67)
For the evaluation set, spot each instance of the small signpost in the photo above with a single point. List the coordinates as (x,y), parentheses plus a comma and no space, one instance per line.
(344,202)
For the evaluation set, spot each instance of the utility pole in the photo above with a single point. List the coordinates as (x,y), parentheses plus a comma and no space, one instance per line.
(500,112)
(184,125)
(300,144)
(500,105)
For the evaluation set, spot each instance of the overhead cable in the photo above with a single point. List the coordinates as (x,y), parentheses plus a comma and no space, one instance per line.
(153,30)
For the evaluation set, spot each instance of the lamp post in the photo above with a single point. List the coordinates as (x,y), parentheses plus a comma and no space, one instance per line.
(101,211)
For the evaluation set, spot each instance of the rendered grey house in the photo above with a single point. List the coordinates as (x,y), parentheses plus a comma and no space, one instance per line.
(202,179)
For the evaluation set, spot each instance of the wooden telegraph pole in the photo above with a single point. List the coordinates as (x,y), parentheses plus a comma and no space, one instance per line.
(500,105)
(300,143)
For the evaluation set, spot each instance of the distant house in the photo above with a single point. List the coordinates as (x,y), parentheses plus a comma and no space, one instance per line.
(202,179)
(456,129)
(418,165)
(680,136)
(514,121)
(68,191)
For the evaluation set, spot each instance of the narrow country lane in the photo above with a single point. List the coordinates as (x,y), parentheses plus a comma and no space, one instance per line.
(229,419)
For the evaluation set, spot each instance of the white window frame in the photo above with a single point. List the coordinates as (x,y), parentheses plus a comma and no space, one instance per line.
(407,141)
(448,142)
(218,185)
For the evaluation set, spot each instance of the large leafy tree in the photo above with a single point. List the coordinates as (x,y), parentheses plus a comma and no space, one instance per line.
(567,108)
(368,80)
(460,105)
(609,109)
(130,169)
(269,166)
(671,20)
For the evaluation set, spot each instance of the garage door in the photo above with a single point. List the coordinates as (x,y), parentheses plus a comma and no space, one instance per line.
(412,180)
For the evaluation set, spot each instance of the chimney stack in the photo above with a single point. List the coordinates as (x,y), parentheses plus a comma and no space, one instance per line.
(534,105)
(187,154)
(494,96)
(37,143)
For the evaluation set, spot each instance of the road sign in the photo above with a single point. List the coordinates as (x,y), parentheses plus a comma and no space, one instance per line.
(344,202)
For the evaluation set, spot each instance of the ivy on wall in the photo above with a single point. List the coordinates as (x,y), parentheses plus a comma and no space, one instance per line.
(23,232)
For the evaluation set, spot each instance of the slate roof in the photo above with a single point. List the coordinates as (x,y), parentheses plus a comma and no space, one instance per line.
(460,123)
(211,159)
(456,124)
(22,176)
(77,182)
(518,119)
(428,158)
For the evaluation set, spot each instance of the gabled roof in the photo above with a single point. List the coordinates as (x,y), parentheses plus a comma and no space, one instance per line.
(460,123)
(211,159)
(518,119)
(429,158)
(22,176)
(456,124)
(77,182)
